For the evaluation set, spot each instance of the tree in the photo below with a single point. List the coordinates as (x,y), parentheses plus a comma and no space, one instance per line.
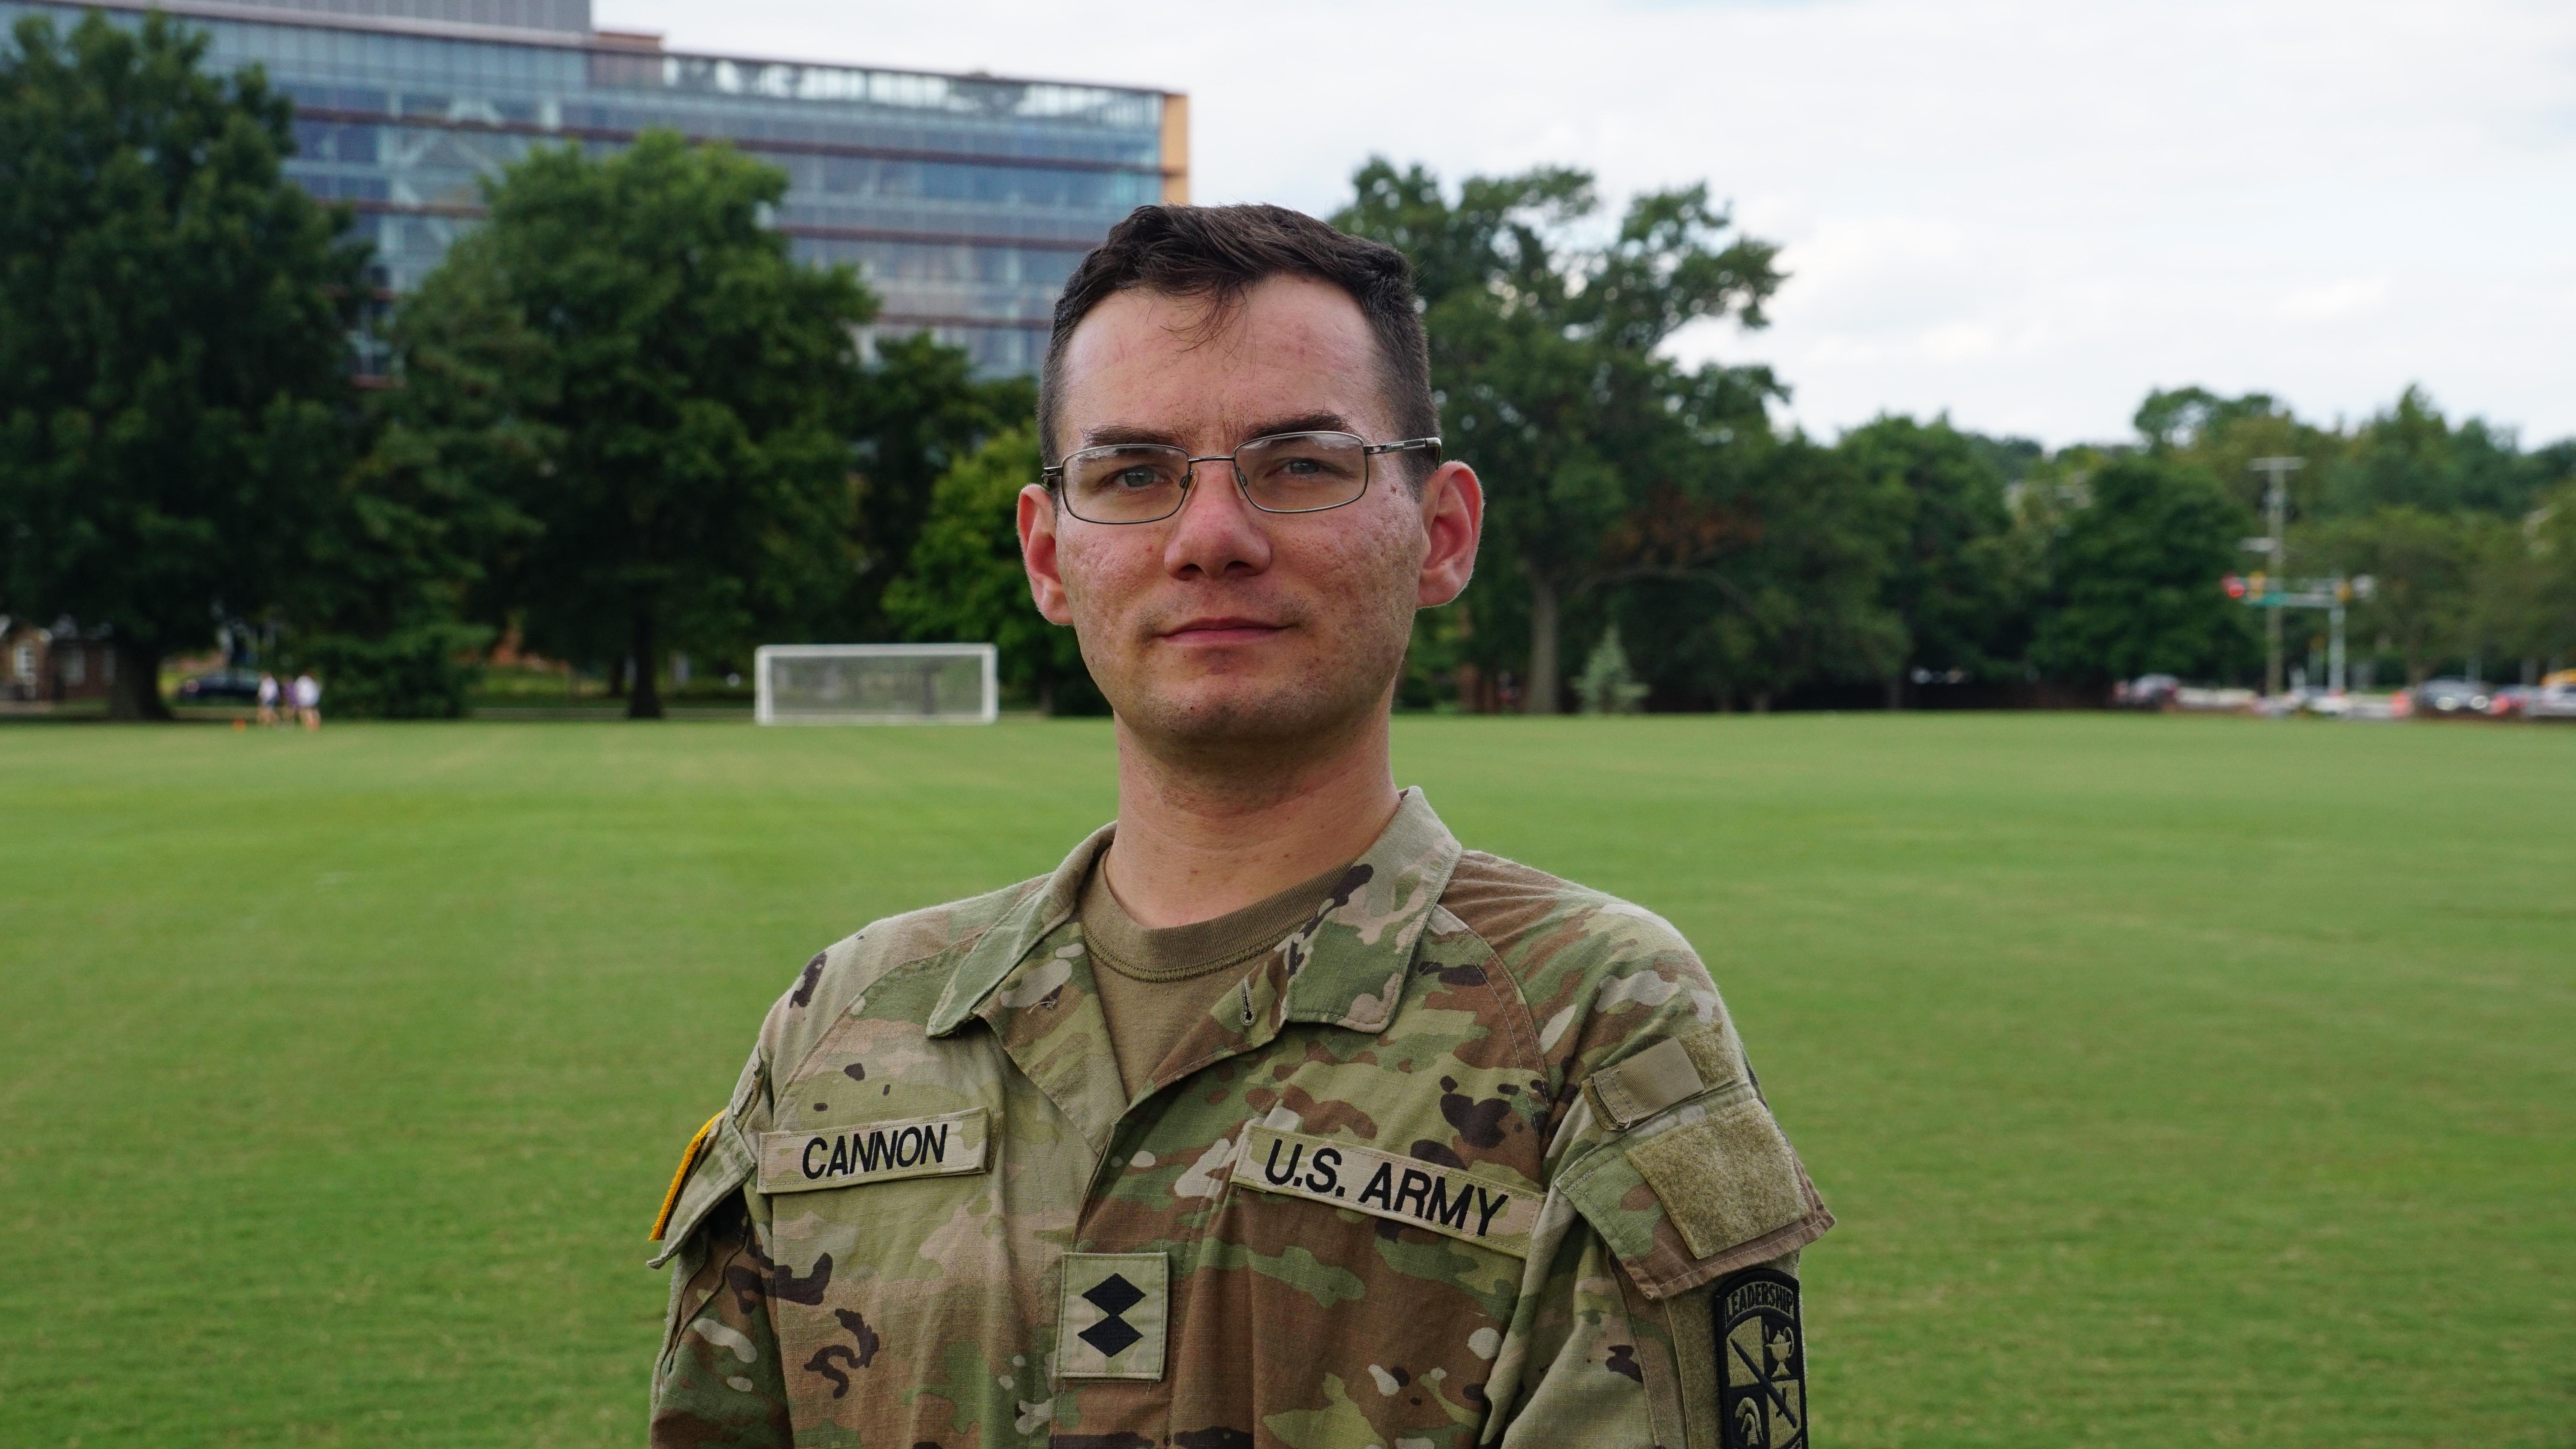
(2552,531)
(2411,456)
(672,380)
(2505,611)
(1544,349)
(175,409)
(920,413)
(1792,546)
(1607,685)
(2134,575)
(1955,577)
(964,583)
(427,509)
(2420,564)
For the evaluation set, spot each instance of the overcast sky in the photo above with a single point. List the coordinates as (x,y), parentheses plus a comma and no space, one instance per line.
(2025,214)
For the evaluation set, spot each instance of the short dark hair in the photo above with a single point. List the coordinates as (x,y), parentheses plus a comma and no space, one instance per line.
(1221,252)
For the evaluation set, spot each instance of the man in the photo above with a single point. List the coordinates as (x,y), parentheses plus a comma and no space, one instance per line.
(308,700)
(1272,1116)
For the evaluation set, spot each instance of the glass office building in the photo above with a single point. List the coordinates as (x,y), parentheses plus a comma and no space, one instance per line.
(965,201)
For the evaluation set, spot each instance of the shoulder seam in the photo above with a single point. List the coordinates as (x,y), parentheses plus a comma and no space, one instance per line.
(1524,1025)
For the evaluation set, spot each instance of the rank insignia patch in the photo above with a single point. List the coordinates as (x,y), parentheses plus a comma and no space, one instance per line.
(1111,1322)
(1762,1368)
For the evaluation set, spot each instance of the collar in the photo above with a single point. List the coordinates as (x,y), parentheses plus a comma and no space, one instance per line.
(1345,967)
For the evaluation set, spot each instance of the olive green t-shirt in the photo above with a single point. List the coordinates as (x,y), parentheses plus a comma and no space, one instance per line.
(1154,983)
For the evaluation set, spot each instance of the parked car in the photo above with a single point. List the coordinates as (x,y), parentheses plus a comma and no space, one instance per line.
(219,685)
(2552,701)
(2451,697)
(2509,701)
(2147,691)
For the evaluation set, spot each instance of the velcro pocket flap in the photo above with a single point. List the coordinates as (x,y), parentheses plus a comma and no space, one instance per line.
(1702,1188)
(1725,1179)
(718,1173)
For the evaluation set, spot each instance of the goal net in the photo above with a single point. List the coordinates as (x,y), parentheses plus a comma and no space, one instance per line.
(875,684)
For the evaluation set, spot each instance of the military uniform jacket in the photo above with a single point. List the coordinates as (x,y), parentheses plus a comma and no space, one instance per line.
(1437,1174)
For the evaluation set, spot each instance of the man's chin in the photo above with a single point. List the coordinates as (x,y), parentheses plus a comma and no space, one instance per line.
(1217,713)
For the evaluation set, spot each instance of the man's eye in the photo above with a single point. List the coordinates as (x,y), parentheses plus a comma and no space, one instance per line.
(1139,477)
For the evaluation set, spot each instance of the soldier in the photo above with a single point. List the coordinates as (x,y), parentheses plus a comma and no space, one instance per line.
(1273,1116)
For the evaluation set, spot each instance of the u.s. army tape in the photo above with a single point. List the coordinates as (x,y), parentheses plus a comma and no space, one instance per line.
(1465,1206)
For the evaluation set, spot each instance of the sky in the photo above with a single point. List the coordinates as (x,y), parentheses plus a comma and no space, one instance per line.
(2023,214)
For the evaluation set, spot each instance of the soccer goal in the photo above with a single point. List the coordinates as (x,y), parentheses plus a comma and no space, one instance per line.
(875,684)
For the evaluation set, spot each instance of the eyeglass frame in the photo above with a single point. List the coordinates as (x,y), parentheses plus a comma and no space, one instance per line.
(1053,478)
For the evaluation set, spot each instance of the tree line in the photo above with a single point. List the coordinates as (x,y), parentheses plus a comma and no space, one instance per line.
(1660,511)
(621,420)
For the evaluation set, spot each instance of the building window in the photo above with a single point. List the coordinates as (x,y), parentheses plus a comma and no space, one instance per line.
(75,666)
(26,666)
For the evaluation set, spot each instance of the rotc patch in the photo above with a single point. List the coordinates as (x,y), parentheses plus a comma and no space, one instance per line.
(1420,1194)
(872,1152)
(1114,1309)
(1762,1389)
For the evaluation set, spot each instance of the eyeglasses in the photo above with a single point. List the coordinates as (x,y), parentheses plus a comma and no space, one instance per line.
(1283,473)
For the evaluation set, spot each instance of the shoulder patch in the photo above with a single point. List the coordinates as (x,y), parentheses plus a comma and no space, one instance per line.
(716,1163)
(1762,1361)
(689,1156)
(1664,1075)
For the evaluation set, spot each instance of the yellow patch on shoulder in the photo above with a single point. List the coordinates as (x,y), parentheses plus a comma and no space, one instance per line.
(689,1158)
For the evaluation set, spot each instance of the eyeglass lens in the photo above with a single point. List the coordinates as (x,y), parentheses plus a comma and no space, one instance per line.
(1142,482)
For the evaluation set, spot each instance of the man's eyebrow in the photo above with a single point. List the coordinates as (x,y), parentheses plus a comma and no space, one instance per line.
(1110,435)
(1324,422)
(1115,434)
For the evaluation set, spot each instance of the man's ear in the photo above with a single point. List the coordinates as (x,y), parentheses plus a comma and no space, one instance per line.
(1037,553)
(1453,520)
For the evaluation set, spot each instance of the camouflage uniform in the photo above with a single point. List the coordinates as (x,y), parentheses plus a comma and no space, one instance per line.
(1450,1167)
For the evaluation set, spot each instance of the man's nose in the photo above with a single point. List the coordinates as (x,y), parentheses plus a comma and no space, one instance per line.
(1217,534)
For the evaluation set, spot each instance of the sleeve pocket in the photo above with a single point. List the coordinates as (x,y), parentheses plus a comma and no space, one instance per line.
(1703,1188)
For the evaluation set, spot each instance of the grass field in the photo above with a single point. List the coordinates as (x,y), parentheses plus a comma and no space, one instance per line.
(2177,1081)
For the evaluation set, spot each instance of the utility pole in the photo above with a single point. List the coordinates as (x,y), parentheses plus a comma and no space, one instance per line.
(2334,646)
(2276,507)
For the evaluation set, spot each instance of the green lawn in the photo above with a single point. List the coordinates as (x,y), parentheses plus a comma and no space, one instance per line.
(2177,1081)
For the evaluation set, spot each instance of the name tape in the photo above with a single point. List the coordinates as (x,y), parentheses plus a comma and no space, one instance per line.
(1363,1179)
(872,1152)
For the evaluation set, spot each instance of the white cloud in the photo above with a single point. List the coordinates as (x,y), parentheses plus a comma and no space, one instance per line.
(2333,301)
(2023,211)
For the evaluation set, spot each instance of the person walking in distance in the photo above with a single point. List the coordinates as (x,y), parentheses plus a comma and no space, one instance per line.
(267,698)
(308,700)
(1273,1116)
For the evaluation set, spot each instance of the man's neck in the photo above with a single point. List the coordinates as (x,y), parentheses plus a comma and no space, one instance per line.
(1201,836)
